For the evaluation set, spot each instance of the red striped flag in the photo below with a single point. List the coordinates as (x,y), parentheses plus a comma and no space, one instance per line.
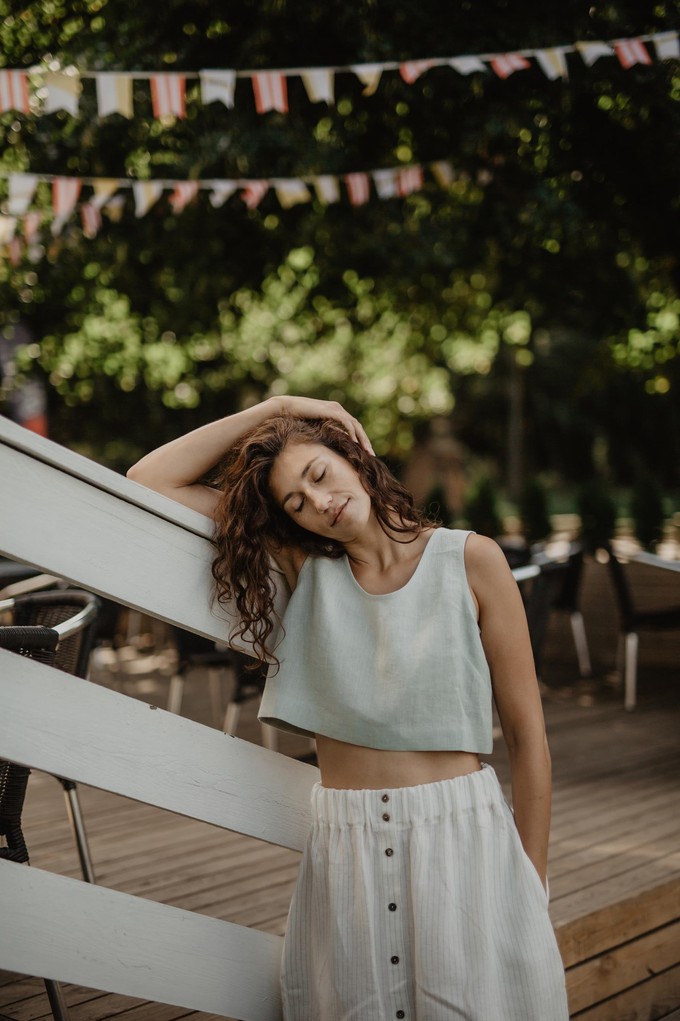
(168,93)
(254,192)
(358,188)
(14,91)
(91,216)
(15,250)
(65,192)
(409,179)
(632,51)
(183,193)
(412,69)
(271,91)
(32,225)
(507,63)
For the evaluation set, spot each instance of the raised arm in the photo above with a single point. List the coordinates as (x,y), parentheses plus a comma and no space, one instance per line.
(175,468)
(505,637)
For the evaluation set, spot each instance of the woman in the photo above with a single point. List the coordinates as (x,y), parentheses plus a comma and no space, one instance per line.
(420,895)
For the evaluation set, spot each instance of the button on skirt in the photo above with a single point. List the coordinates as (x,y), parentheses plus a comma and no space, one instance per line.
(419,903)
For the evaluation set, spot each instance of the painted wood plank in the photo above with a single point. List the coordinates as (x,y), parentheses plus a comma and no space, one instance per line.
(71,463)
(623,967)
(76,932)
(66,726)
(67,526)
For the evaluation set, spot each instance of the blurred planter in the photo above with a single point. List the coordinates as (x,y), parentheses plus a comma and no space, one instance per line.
(597,511)
(647,511)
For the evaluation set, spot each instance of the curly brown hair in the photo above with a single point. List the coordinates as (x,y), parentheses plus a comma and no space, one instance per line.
(250,525)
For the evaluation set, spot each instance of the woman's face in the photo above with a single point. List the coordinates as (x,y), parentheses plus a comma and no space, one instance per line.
(320,490)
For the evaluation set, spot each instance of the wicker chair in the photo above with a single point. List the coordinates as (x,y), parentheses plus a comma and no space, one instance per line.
(72,615)
(37,643)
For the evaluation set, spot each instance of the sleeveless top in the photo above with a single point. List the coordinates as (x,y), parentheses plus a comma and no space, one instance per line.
(403,671)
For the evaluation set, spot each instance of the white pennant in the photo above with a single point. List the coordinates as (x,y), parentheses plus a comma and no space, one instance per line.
(21,190)
(385,183)
(552,62)
(593,51)
(667,45)
(63,92)
(443,173)
(104,188)
(8,225)
(369,76)
(319,84)
(218,86)
(114,94)
(467,65)
(222,190)
(146,193)
(327,189)
(290,192)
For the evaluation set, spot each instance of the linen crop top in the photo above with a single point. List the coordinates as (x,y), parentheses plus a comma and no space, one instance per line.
(403,671)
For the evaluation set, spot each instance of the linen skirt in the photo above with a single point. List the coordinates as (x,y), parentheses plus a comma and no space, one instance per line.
(419,903)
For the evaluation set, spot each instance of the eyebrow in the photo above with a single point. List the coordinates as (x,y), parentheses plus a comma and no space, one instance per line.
(304,472)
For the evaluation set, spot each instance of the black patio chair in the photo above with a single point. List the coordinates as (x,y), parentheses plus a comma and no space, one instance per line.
(195,652)
(72,614)
(556,589)
(631,622)
(38,643)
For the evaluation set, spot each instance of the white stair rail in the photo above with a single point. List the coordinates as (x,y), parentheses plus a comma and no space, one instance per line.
(64,514)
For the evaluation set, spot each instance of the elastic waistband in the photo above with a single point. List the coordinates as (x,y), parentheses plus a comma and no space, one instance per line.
(416,804)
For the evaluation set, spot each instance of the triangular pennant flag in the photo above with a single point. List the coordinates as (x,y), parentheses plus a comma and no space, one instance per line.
(254,192)
(218,86)
(8,225)
(32,222)
(114,94)
(319,83)
(91,216)
(184,192)
(467,65)
(443,173)
(410,70)
(63,92)
(593,51)
(506,64)
(222,190)
(667,45)
(358,188)
(552,63)
(65,192)
(15,250)
(291,191)
(146,193)
(14,91)
(385,183)
(271,91)
(168,93)
(631,51)
(369,76)
(409,179)
(114,208)
(21,190)
(327,189)
(104,188)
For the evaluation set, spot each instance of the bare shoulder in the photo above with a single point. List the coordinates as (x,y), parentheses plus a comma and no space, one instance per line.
(485,562)
(290,560)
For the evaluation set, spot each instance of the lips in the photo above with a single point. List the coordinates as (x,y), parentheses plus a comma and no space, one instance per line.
(339,514)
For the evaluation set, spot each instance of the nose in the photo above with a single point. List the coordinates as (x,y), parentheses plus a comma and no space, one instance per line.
(320,502)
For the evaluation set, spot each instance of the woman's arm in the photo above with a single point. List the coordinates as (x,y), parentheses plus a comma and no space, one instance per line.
(505,637)
(174,468)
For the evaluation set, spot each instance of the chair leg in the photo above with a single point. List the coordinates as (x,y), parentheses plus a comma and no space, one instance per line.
(175,693)
(630,671)
(581,642)
(78,828)
(215,695)
(231,718)
(57,1002)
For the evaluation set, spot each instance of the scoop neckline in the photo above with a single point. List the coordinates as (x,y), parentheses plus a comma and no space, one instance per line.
(396,591)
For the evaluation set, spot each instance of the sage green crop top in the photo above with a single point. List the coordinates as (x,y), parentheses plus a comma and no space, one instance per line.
(403,671)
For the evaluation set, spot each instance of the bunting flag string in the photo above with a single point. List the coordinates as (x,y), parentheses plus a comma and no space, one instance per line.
(60,88)
(108,194)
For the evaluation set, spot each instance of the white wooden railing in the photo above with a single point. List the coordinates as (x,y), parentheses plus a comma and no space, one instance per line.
(72,518)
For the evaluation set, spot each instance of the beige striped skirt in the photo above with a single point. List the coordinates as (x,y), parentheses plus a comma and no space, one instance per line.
(419,903)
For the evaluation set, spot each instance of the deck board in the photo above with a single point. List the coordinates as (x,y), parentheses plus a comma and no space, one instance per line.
(614,853)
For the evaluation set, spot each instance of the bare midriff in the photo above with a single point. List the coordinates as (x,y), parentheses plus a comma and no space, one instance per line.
(353,767)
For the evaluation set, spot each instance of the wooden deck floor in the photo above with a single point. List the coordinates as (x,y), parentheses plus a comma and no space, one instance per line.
(614,855)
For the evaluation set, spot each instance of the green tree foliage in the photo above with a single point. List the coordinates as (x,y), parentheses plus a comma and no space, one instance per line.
(557,240)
